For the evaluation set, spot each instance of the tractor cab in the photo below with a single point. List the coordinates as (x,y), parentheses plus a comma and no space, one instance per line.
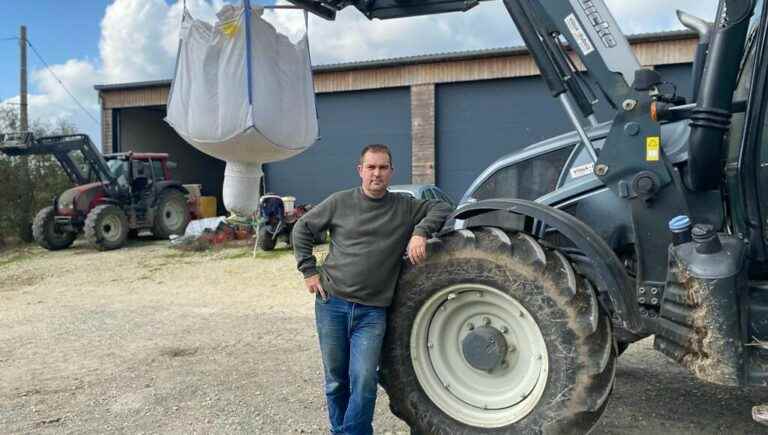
(139,172)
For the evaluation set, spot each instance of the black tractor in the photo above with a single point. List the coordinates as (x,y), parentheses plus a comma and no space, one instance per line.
(115,195)
(652,224)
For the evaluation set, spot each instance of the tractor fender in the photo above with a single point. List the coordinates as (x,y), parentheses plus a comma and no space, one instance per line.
(171,184)
(162,186)
(606,264)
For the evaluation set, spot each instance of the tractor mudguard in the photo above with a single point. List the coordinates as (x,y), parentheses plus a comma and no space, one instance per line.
(606,264)
(172,184)
(168,184)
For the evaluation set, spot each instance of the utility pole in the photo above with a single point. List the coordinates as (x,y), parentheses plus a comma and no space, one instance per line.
(24,120)
(26,190)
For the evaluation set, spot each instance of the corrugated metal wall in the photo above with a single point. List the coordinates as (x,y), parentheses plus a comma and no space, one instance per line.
(348,121)
(479,122)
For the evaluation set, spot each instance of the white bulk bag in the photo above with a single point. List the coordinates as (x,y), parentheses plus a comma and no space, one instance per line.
(243,93)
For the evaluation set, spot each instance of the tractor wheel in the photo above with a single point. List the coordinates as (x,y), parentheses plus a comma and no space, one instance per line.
(106,227)
(496,334)
(47,235)
(266,242)
(171,214)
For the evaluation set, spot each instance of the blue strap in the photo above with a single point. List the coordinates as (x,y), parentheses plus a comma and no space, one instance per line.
(247,8)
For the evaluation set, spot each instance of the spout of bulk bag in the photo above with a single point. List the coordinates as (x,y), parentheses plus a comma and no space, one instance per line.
(243,93)
(241,187)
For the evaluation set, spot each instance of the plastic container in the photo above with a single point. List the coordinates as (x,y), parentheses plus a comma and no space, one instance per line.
(207,207)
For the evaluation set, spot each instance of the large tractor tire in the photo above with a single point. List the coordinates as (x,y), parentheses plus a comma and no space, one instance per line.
(496,334)
(106,227)
(171,214)
(266,241)
(47,235)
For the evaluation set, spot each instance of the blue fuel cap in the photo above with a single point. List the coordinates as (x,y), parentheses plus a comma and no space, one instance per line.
(679,223)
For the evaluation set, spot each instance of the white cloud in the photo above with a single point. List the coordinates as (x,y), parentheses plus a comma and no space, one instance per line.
(139,39)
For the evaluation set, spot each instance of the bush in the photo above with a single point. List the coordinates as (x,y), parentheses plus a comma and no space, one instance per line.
(27,184)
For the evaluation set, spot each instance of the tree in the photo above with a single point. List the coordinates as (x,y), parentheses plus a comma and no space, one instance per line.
(28,184)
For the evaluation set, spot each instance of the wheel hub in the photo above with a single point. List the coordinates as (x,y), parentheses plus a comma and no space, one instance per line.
(484,348)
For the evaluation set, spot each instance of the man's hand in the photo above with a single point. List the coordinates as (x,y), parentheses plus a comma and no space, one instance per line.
(417,249)
(314,286)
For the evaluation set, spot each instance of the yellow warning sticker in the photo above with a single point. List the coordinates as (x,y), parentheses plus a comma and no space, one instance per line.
(229,28)
(652,148)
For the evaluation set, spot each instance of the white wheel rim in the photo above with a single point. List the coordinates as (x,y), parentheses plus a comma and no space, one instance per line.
(172,215)
(111,228)
(486,399)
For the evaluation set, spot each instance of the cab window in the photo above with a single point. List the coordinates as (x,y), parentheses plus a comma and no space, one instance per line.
(529,179)
(157,170)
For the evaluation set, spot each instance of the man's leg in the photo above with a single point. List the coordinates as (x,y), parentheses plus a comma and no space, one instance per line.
(368,327)
(332,319)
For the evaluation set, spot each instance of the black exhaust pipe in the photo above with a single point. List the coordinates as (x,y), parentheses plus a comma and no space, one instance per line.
(712,116)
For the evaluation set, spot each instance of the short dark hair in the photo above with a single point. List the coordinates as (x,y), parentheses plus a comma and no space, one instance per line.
(376,148)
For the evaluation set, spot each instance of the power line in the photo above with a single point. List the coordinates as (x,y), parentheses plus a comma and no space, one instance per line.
(10,38)
(60,82)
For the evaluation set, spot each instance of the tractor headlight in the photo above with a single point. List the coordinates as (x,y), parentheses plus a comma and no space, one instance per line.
(67,202)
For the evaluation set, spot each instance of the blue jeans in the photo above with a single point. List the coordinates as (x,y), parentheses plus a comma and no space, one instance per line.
(351,336)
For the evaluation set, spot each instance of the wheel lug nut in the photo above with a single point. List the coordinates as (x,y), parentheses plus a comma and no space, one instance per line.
(471,326)
(512,348)
(486,321)
(504,329)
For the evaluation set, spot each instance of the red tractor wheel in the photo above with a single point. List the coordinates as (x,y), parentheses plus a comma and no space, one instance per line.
(106,227)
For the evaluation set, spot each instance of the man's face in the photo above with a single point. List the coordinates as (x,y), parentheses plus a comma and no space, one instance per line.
(376,172)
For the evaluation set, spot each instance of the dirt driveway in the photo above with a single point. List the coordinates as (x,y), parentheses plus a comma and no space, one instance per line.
(150,340)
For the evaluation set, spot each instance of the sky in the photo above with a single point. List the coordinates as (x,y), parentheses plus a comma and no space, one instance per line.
(90,42)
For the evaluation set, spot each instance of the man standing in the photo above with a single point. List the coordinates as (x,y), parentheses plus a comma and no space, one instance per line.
(370,230)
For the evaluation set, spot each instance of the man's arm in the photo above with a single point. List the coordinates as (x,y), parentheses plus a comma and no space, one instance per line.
(317,220)
(429,217)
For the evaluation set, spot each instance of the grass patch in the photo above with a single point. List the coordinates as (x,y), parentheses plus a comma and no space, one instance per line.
(15,257)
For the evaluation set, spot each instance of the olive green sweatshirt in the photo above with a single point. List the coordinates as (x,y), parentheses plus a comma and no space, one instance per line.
(369,237)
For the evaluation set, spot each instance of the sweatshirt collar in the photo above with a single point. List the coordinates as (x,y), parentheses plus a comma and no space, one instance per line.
(368,198)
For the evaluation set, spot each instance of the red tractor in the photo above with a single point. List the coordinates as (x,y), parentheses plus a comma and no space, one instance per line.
(115,194)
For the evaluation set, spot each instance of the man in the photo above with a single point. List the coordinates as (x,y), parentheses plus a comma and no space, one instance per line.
(370,230)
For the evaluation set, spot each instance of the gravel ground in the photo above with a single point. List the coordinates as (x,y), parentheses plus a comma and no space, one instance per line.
(151,340)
